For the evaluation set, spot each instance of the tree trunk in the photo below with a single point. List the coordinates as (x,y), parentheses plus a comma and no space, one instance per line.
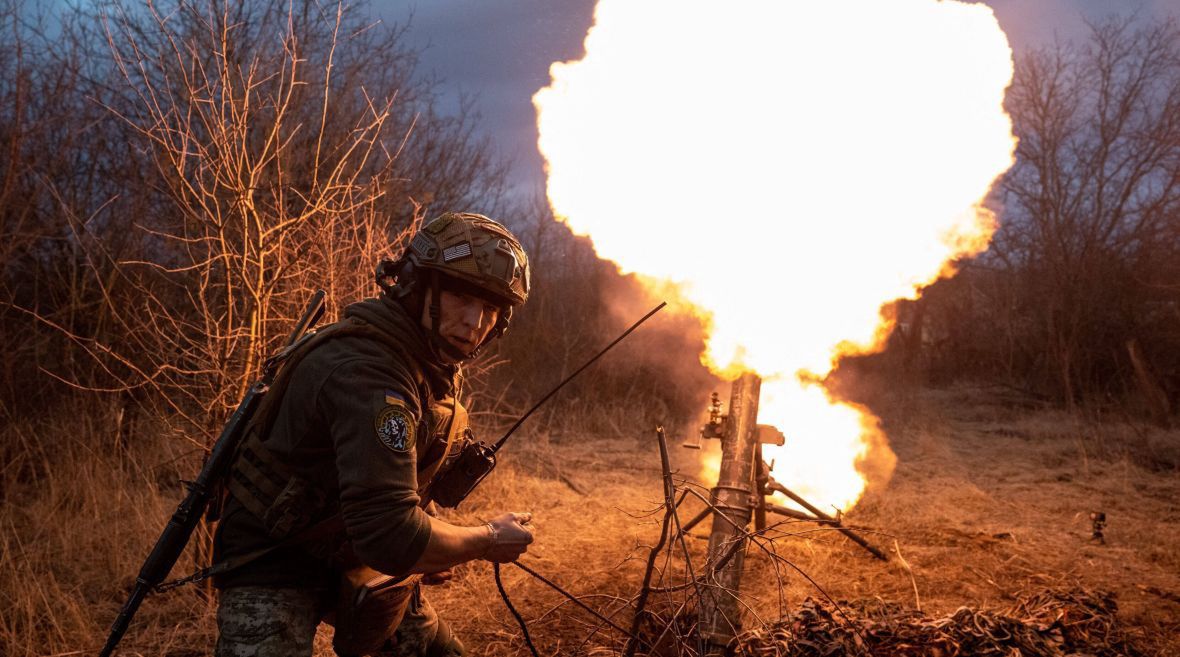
(1149,387)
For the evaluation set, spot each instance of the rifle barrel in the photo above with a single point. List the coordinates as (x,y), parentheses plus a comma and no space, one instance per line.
(311,315)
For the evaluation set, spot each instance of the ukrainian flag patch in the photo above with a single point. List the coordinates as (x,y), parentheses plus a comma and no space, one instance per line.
(393,397)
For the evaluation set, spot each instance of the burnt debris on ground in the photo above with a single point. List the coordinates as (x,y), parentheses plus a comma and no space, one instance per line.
(1047,623)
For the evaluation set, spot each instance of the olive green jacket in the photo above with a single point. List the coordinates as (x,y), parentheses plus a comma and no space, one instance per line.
(361,419)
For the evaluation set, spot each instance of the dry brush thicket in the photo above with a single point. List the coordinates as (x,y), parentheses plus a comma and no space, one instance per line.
(1078,298)
(177,177)
(225,160)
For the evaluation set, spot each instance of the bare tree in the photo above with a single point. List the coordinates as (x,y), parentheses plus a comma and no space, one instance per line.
(1077,297)
(61,168)
(1095,190)
(236,156)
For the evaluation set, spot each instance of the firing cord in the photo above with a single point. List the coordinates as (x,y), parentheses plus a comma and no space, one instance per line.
(569,596)
(516,614)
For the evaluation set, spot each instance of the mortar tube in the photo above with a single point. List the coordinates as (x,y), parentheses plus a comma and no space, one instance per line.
(720,611)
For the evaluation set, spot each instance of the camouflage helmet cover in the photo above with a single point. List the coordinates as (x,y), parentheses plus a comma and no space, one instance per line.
(474,249)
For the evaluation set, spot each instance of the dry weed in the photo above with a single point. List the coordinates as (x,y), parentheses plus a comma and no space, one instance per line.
(78,517)
(989,502)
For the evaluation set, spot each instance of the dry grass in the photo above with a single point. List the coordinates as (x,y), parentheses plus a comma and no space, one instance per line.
(990,501)
(77,519)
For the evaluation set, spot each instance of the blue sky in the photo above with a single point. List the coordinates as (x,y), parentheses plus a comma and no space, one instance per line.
(500,50)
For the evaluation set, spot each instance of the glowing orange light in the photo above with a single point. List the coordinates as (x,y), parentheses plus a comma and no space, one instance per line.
(790,167)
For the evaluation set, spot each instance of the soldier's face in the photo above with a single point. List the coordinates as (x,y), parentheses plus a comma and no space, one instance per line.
(465,320)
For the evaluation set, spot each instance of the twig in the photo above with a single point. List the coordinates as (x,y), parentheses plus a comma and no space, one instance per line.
(645,589)
(905,564)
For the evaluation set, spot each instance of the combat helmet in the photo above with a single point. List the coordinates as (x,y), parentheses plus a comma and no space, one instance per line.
(466,252)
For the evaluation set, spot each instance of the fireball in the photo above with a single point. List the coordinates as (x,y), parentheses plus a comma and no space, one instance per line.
(790,167)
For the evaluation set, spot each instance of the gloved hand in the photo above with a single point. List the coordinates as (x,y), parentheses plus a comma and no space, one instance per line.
(509,537)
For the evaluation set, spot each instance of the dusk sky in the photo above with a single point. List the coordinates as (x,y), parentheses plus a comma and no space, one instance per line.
(499,51)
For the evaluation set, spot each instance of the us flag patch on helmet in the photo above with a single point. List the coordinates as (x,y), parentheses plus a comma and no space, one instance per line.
(455,252)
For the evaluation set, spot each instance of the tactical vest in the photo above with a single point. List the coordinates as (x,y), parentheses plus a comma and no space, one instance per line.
(288,502)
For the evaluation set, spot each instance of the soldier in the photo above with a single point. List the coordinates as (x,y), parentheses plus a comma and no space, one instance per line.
(326,497)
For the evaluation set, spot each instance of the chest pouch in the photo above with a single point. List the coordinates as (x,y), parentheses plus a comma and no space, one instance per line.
(448,429)
(465,463)
(267,487)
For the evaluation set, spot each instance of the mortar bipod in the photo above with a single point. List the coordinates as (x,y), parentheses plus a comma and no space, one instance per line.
(771,487)
(717,427)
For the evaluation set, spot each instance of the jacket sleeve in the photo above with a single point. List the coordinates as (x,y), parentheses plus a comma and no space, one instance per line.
(373,413)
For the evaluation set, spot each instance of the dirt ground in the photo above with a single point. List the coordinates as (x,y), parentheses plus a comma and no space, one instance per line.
(990,500)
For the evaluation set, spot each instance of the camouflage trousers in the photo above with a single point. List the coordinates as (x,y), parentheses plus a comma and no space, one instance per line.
(263,621)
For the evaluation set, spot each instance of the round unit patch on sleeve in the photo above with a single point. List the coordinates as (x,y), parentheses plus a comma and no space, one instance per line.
(395,428)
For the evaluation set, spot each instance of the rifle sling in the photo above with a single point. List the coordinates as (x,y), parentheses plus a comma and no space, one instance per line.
(322,529)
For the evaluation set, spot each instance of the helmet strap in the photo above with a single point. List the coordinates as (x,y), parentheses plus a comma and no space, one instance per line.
(435,304)
(440,343)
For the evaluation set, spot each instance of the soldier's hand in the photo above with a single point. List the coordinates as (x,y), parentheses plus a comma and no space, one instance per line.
(509,538)
(436,578)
